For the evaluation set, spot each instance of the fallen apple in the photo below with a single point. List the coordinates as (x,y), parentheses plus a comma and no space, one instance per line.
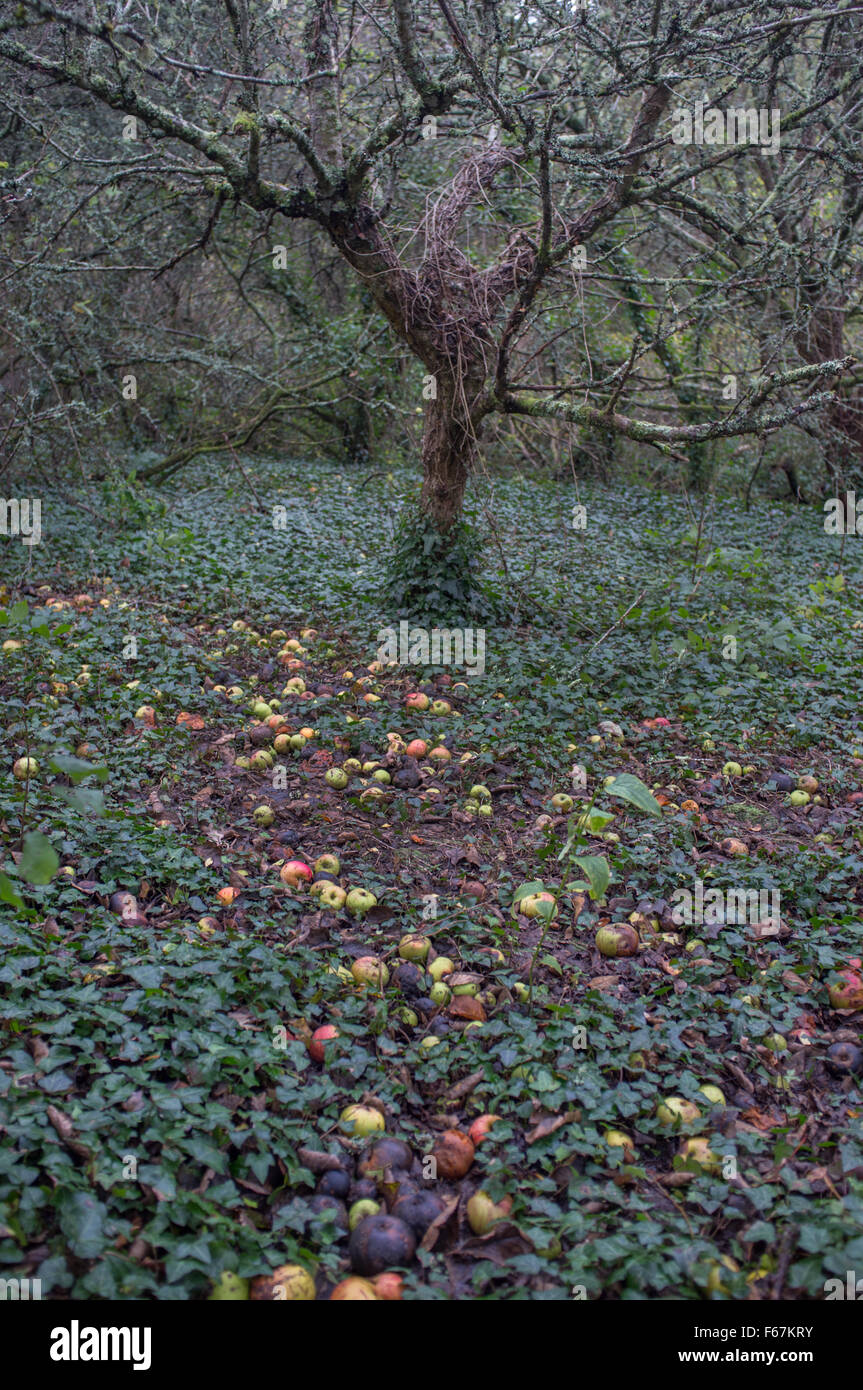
(288,1282)
(316,1046)
(361,1120)
(440,754)
(417,700)
(370,970)
(332,897)
(417,748)
(532,905)
(229,1288)
(327,864)
(263,816)
(713,1094)
(388,1286)
(337,778)
(453,1154)
(414,947)
(698,1151)
(562,802)
(441,707)
(379,1242)
(799,798)
(480,1128)
(24,768)
(675,1111)
(732,770)
(617,939)
(617,1139)
(354,1290)
(295,872)
(483,1213)
(440,966)
(440,993)
(848,993)
(359,901)
(360,1210)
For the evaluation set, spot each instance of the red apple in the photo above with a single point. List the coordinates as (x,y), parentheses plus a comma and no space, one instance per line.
(295,872)
(848,994)
(480,1127)
(317,1042)
(388,1287)
(417,700)
(355,1290)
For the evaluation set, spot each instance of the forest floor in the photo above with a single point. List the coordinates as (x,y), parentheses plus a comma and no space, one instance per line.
(162,1117)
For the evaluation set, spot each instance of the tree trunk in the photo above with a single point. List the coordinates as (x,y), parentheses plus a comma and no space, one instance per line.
(449,449)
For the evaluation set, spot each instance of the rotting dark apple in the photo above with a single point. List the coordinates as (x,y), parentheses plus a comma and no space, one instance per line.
(379,1242)
(418,1209)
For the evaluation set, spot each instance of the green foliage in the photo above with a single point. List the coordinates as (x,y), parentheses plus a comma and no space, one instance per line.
(433,577)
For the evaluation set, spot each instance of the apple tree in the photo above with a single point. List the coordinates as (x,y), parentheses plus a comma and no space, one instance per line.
(514,185)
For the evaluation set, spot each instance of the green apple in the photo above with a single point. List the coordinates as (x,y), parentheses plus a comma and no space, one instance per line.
(359,901)
(676,1111)
(699,1150)
(732,770)
(414,947)
(332,897)
(480,793)
(337,778)
(440,966)
(712,1093)
(24,768)
(361,1120)
(229,1288)
(370,970)
(562,802)
(263,816)
(359,1210)
(440,993)
(326,864)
